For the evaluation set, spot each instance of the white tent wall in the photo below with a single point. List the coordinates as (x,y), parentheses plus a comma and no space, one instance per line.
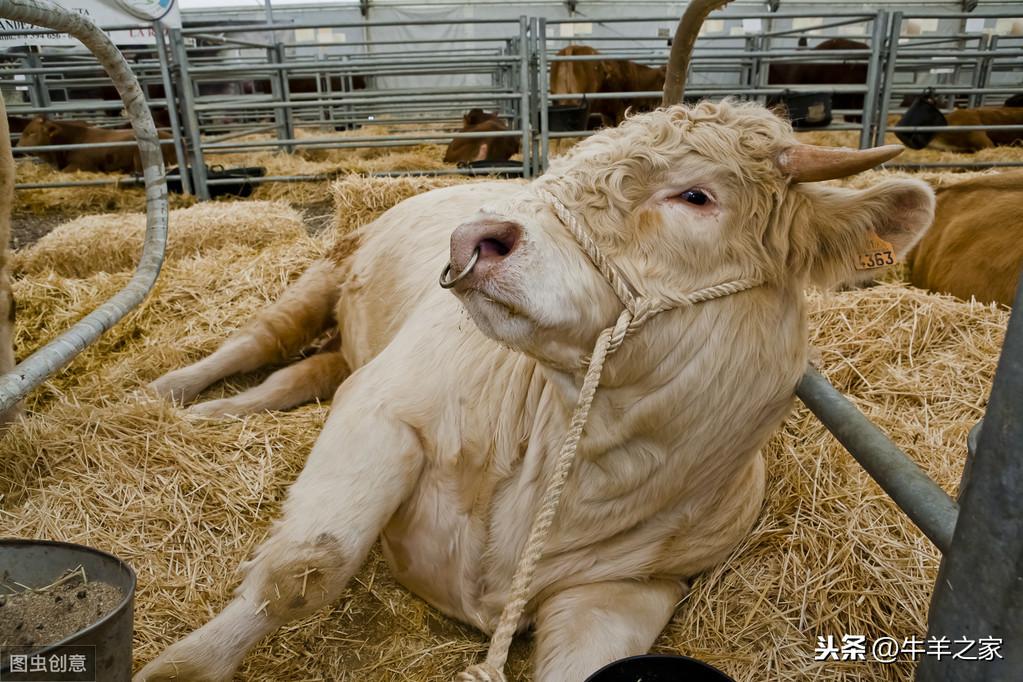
(594,22)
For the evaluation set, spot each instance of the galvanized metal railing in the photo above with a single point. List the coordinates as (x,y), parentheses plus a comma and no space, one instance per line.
(36,368)
(979,590)
(517,58)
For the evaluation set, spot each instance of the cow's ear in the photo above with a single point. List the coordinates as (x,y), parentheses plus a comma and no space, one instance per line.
(474,117)
(846,235)
(52,128)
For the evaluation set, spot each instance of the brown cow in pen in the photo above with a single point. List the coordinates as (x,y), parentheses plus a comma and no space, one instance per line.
(464,150)
(605,75)
(6,294)
(925,112)
(820,73)
(975,247)
(42,132)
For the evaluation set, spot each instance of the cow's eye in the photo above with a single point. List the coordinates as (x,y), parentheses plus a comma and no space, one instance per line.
(695,197)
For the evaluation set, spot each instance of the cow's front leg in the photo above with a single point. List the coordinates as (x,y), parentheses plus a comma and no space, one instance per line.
(362,467)
(584,628)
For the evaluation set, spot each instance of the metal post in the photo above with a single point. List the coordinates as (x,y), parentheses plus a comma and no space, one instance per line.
(40,93)
(534,100)
(544,87)
(873,80)
(889,78)
(926,504)
(758,75)
(285,118)
(172,108)
(983,69)
(524,101)
(979,592)
(192,118)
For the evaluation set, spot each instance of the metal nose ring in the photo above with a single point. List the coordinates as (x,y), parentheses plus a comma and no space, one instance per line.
(446,283)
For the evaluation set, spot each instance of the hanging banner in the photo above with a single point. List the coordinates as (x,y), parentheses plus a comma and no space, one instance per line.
(104,13)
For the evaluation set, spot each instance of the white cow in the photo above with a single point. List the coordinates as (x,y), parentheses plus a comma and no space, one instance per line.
(442,437)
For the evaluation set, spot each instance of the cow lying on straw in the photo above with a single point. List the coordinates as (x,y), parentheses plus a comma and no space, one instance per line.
(443,434)
(975,247)
(674,249)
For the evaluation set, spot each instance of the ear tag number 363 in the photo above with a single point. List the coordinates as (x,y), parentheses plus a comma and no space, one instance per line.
(878,254)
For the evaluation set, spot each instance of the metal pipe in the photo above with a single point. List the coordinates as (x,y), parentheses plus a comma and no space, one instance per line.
(979,591)
(926,504)
(81,145)
(36,368)
(256,28)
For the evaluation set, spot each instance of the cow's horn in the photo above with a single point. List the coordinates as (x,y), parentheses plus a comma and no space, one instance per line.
(810,163)
(682,47)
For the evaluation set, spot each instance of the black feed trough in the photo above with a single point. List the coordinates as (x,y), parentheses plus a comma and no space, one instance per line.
(493,168)
(658,668)
(806,110)
(240,188)
(567,117)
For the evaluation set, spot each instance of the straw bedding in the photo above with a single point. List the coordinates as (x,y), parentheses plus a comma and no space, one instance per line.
(112,242)
(185,500)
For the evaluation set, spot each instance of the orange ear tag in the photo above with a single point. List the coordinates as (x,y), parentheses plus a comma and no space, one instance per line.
(877,254)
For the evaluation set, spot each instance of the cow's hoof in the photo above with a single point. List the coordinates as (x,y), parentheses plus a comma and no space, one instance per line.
(183,663)
(169,671)
(215,408)
(178,387)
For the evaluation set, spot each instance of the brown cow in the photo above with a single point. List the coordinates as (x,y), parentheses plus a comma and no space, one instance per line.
(975,247)
(818,73)
(468,149)
(925,112)
(43,132)
(6,294)
(606,75)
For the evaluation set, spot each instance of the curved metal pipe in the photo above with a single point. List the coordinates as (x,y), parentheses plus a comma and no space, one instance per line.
(59,352)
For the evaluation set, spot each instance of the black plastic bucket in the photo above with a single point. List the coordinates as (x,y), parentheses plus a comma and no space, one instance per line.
(493,168)
(658,668)
(107,642)
(806,110)
(563,118)
(243,188)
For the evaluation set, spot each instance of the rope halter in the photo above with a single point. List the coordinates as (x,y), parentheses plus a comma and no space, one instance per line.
(638,309)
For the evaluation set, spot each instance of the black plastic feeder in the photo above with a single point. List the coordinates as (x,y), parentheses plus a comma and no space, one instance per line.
(658,668)
(806,110)
(562,118)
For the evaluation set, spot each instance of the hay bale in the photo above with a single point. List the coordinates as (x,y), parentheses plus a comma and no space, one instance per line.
(358,199)
(113,242)
(185,501)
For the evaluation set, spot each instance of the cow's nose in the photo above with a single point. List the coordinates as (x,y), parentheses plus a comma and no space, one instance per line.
(495,239)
